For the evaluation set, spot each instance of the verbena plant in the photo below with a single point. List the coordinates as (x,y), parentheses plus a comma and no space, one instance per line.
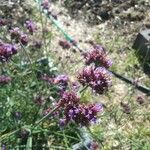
(38,105)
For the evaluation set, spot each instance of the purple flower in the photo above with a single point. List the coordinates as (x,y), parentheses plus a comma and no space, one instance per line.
(24,39)
(140,100)
(31,26)
(3,147)
(23,133)
(6,51)
(75,86)
(15,33)
(126,108)
(45,4)
(79,113)
(62,122)
(71,113)
(61,81)
(64,44)
(46,111)
(97,108)
(68,98)
(98,79)
(82,114)
(4,79)
(3,22)
(17,115)
(98,57)
(94,145)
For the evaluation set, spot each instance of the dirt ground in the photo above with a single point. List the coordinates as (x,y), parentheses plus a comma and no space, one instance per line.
(117,33)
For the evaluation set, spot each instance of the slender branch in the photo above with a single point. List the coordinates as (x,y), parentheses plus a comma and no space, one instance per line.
(84,88)
(46,116)
(26,52)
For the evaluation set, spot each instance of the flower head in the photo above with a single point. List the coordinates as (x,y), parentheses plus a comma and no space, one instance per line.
(16,115)
(98,79)
(45,4)
(61,81)
(6,51)
(98,57)
(68,98)
(4,79)
(3,22)
(23,134)
(75,86)
(3,147)
(31,26)
(82,114)
(24,39)
(15,33)
(140,99)
(64,44)
(62,122)
(125,108)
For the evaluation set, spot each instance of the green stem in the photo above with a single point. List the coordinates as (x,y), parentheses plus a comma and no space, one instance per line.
(26,52)
(84,88)
(46,116)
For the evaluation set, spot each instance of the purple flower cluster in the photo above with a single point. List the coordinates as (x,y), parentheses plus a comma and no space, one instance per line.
(94,146)
(3,22)
(75,86)
(45,4)
(23,134)
(140,99)
(6,51)
(3,147)
(82,114)
(16,34)
(64,44)
(16,115)
(4,79)
(79,113)
(98,57)
(60,80)
(125,107)
(24,39)
(68,98)
(30,26)
(98,79)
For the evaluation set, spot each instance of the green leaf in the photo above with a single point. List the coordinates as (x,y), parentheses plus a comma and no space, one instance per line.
(29,143)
